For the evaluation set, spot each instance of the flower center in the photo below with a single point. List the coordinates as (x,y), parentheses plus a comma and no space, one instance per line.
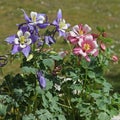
(80,32)
(34,18)
(62,24)
(86,46)
(22,39)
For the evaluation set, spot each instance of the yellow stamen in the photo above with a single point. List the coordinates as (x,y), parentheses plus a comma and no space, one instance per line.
(81,32)
(86,47)
(34,18)
(22,39)
(62,24)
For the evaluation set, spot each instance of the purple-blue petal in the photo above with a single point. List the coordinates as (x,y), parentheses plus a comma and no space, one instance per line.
(49,40)
(55,22)
(40,14)
(34,38)
(26,51)
(40,43)
(41,79)
(61,33)
(26,16)
(10,39)
(42,82)
(15,49)
(59,14)
(44,25)
(24,28)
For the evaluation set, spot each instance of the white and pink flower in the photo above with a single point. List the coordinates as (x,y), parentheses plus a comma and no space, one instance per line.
(87,45)
(78,31)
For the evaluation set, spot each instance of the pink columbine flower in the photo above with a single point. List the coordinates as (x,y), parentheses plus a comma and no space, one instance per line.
(78,31)
(86,46)
(114,58)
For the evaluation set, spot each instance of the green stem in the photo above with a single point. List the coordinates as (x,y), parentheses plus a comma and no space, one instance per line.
(69,46)
(35,98)
(85,83)
(69,107)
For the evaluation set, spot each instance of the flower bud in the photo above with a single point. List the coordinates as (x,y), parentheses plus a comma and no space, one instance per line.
(114,58)
(102,46)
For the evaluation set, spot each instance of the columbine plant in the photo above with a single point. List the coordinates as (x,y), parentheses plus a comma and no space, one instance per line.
(65,85)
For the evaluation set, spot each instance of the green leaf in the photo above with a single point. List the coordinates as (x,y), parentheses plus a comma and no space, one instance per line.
(101,104)
(107,86)
(61,117)
(56,57)
(84,63)
(95,95)
(49,63)
(103,116)
(106,40)
(49,84)
(2,109)
(29,117)
(91,74)
(49,95)
(100,29)
(29,70)
(44,114)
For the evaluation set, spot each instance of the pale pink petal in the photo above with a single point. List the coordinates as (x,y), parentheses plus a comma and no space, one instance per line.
(87,58)
(88,37)
(76,29)
(86,28)
(81,39)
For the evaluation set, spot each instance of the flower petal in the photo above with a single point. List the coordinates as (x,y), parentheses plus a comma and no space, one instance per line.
(29,41)
(59,14)
(26,51)
(10,39)
(33,16)
(40,18)
(16,41)
(22,45)
(86,28)
(26,16)
(27,34)
(20,33)
(44,25)
(41,79)
(15,49)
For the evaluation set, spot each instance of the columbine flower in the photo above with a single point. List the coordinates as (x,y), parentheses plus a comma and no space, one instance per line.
(78,31)
(86,46)
(60,24)
(41,79)
(49,40)
(36,19)
(21,42)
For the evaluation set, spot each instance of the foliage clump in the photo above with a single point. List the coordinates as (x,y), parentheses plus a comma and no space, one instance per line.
(64,85)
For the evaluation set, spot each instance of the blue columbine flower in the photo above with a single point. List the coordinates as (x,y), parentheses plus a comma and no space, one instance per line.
(60,24)
(41,79)
(36,19)
(49,40)
(21,42)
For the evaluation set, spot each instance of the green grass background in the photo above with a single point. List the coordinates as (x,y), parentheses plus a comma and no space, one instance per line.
(104,13)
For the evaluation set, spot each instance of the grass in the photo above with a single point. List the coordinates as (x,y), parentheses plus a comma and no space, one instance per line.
(104,13)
